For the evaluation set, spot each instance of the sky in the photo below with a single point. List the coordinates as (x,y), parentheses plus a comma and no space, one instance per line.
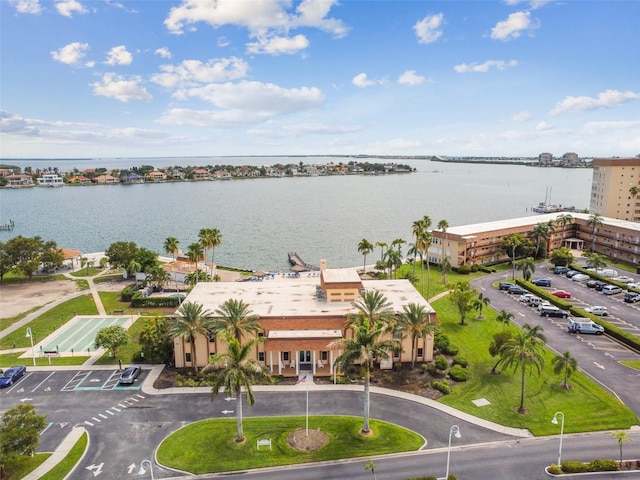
(104,79)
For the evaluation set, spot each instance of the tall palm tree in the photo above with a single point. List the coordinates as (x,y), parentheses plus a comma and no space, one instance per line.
(190,321)
(382,246)
(216,241)
(414,321)
(234,370)
(633,191)
(564,219)
(365,346)
(413,253)
(398,242)
(595,260)
(528,266)
(236,319)
(621,437)
(523,351)
(171,246)
(480,303)
(373,307)
(394,260)
(443,225)
(206,240)
(504,318)
(565,364)
(445,267)
(511,243)
(595,220)
(424,243)
(541,234)
(365,248)
(195,255)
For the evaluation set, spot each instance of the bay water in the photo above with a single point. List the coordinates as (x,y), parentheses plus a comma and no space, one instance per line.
(263,219)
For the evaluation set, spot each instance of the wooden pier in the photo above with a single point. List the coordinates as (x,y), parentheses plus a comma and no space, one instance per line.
(300,265)
(7,226)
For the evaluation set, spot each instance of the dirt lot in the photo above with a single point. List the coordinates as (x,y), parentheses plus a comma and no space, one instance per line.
(18,298)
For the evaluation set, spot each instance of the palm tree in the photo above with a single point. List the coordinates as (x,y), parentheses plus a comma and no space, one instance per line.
(444,268)
(171,246)
(462,297)
(216,241)
(621,437)
(595,260)
(365,346)
(414,321)
(234,370)
(371,466)
(511,243)
(413,253)
(633,191)
(480,303)
(382,246)
(595,220)
(206,240)
(365,247)
(566,364)
(564,219)
(236,319)
(398,242)
(443,225)
(504,318)
(541,232)
(528,266)
(195,255)
(521,352)
(394,260)
(424,243)
(373,307)
(190,321)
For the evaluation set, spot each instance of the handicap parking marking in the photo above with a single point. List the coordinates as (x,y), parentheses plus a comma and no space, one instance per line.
(40,384)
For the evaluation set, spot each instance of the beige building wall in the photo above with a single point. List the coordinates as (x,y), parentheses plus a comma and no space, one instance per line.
(610,188)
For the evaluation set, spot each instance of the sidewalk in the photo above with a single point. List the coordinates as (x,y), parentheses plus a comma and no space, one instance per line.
(58,455)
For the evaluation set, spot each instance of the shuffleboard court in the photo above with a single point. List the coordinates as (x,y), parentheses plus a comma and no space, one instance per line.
(79,335)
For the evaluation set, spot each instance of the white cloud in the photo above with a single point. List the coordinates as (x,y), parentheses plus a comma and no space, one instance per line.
(258,17)
(512,27)
(116,86)
(191,72)
(606,99)
(28,6)
(596,128)
(362,81)
(484,67)
(71,54)
(534,4)
(521,116)
(119,56)
(278,45)
(429,28)
(410,78)
(542,126)
(69,7)
(163,52)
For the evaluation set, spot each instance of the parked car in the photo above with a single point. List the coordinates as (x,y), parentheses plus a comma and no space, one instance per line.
(580,277)
(623,279)
(506,285)
(526,297)
(584,325)
(595,284)
(611,290)
(633,285)
(632,297)
(537,301)
(545,303)
(597,310)
(517,290)
(542,282)
(552,311)
(10,375)
(571,273)
(129,375)
(561,294)
(560,270)
(600,285)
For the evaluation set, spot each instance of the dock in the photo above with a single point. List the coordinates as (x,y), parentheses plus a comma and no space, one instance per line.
(300,265)
(7,226)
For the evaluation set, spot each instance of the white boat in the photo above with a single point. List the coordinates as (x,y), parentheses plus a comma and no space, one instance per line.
(546,207)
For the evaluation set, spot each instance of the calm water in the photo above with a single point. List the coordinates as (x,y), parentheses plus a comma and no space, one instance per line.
(263,219)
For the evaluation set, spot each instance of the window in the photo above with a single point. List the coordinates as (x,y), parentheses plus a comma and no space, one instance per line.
(324,355)
(285,356)
(261,356)
(212,338)
(260,334)
(396,354)
(397,335)
(420,352)
(187,358)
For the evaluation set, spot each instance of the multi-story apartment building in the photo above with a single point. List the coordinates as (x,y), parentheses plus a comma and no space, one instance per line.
(545,159)
(615,188)
(480,243)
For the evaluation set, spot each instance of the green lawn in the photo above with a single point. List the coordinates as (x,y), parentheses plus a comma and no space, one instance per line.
(587,406)
(190,448)
(7,322)
(62,469)
(11,359)
(49,321)
(433,279)
(127,353)
(23,465)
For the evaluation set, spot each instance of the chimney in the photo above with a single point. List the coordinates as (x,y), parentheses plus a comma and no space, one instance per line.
(323,265)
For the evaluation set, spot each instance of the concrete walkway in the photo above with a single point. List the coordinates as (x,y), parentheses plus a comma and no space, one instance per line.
(59,454)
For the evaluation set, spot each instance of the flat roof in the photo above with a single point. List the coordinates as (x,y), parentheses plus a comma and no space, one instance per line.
(296,297)
(284,334)
(340,275)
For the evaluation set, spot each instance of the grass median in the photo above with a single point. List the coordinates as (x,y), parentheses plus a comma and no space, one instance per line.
(189,449)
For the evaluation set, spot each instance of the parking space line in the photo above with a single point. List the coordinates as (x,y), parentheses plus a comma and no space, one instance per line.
(96,419)
(109,412)
(77,379)
(88,423)
(38,386)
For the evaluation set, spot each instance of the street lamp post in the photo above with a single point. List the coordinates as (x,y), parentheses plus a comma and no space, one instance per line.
(149,465)
(33,352)
(455,431)
(555,422)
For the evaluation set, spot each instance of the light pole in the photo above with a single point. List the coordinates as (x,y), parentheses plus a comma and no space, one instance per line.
(149,465)
(33,352)
(555,422)
(455,431)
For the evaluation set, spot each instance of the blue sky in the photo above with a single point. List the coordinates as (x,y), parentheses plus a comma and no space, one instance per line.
(121,78)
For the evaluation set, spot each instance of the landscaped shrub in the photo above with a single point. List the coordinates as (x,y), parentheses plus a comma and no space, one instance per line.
(458,360)
(424,367)
(458,373)
(452,350)
(441,387)
(441,341)
(441,363)
(555,469)
(127,293)
(603,465)
(452,477)
(575,467)
(138,301)
(462,269)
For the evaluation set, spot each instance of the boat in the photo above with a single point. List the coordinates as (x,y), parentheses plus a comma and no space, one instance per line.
(547,207)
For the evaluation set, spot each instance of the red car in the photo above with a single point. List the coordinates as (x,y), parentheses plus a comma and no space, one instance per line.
(561,293)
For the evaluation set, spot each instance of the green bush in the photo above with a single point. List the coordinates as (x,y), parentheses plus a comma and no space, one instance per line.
(458,373)
(458,360)
(452,477)
(441,387)
(441,341)
(127,293)
(451,350)
(138,301)
(603,465)
(462,270)
(441,363)
(575,467)
(424,367)
(555,469)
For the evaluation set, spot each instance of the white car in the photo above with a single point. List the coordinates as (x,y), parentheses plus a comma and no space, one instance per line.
(526,297)
(633,285)
(580,277)
(623,279)
(597,310)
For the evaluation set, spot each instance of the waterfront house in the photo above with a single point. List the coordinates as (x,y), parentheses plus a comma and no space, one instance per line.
(106,180)
(50,180)
(300,316)
(19,180)
(201,174)
(222,175)
(79,180)
(132,178)
(156,176)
